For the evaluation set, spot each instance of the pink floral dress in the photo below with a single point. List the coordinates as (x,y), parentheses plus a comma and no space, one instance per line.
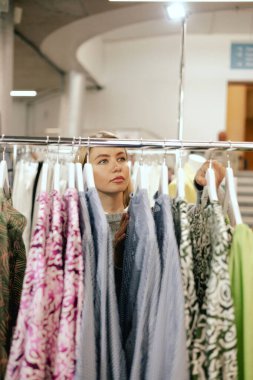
(73,294)
(28,351)
(55,278)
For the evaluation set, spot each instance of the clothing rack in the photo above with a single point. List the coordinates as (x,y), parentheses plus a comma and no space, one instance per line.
(127,143)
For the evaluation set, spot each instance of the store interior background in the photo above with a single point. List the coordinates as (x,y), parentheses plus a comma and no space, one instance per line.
(121,62)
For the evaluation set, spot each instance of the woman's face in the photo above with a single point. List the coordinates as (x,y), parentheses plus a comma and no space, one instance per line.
(111,172)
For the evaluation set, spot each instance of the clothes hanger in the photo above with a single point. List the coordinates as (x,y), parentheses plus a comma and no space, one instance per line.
(44,171)
(71,170)
(4,177)
(180,177)
(211,183)
(141,179)
(164,177)
(57,169)
(88,170)
(79,171)
(230,194)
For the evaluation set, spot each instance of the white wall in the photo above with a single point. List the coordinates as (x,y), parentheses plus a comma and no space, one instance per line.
(142,86)
(141,90)
(140,75)
(19,119)
(43,116)
(91,56)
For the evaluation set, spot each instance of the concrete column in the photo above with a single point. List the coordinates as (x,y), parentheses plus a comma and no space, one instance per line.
(72,104)
(6,68)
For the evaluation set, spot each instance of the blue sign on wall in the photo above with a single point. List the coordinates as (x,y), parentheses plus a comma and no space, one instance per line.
(241,56)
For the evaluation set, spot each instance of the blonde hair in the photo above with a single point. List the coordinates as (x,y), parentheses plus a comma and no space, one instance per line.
(82,154)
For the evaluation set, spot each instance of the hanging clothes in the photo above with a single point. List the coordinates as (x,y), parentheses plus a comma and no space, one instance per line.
(12,270)
(70,318)
(214,346)
(189,188)
(110,355)
(114,221)
(140,285)
(241,276)
(55,277)
(86,368)
(22,195)
(22,362)
(183,236)
(168,351)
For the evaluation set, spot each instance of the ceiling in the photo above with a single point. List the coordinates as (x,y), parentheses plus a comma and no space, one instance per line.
(41,19)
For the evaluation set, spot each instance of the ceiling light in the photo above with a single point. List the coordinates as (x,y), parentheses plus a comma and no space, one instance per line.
(176,11)
(23,93)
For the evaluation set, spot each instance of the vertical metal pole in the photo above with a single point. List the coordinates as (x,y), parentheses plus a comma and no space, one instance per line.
(180,120)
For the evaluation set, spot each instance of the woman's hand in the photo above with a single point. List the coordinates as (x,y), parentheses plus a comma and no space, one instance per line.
(219,170)
(118,242)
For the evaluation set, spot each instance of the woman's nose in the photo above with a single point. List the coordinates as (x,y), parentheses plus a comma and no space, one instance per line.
(116,166)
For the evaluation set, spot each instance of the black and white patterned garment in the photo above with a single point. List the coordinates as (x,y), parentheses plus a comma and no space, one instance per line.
(183,236)
(214,347)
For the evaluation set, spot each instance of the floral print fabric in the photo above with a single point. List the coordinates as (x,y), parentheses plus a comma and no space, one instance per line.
(70,321)
(45,339)
(12,269)
(183,236)
(28,351)
(54,290)
(214,338)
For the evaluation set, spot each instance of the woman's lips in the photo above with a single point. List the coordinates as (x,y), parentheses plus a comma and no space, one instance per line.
(118,179)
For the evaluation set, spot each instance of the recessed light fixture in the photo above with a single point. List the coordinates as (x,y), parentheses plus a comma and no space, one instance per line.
(23,93)
(176,11)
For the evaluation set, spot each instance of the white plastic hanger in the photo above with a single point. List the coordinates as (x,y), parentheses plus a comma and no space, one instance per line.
(180,178)
(142,178)
(71,170)
(230,195)
(71,175)
(164,180)
(211,183)
(44,171)
(4,177)
(57,170)
(164,177)
(79,172)
(88,171)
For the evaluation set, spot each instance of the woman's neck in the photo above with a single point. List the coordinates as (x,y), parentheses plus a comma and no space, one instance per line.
(112,203)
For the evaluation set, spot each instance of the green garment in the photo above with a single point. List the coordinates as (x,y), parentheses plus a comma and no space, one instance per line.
(241,275)
(12,269)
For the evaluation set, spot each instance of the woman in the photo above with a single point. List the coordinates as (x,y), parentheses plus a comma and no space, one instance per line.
(112,180)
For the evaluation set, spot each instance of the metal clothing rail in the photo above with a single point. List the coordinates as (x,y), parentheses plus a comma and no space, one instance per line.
(127,143)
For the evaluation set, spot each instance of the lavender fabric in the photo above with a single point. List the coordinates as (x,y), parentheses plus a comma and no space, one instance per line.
(110,355)
(86,353)
(140,285)
(168,351)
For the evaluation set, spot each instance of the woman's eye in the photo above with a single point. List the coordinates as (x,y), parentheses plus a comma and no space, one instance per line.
(102,162)
(122,159)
